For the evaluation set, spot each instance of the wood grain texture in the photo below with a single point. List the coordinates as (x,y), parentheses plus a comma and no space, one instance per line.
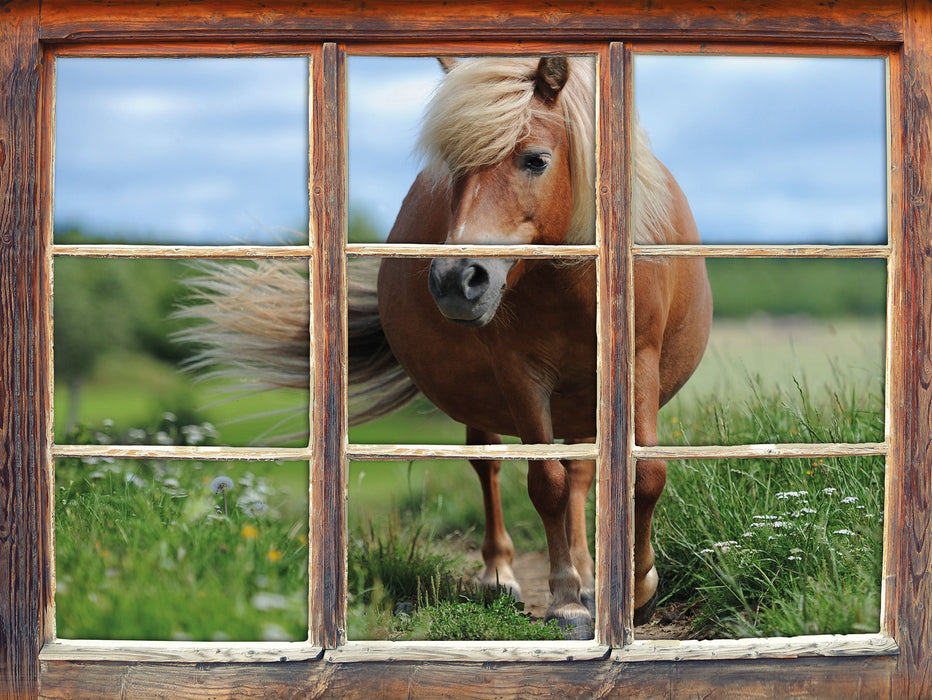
(614,567)
(327,580)
(767,251)
(867,27)
(25,573)
(907,585)
(845,21)
(835,677)
(135,651)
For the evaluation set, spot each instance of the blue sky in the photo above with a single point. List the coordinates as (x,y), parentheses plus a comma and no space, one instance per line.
(215,150)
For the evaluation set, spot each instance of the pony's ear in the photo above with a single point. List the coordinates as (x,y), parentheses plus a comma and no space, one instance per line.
(552,74)
(448,63)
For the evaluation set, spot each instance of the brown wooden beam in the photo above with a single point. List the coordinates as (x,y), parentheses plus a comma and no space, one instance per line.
(865,677)
(908,546)
(846,21)
(24,493)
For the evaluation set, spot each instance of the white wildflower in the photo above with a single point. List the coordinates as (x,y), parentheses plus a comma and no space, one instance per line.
(269,601)
(163,438)
(849,499)
(725,546)
(829,491)
(766,517)
(843,531)
(193,434)
(135,480)
(783,495)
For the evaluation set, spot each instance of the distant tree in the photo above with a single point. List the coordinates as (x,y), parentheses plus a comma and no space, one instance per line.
(362,229)
(92,317)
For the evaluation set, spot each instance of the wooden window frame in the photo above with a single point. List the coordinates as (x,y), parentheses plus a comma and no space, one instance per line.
(896,662)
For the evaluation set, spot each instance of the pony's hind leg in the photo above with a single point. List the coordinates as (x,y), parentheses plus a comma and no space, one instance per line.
(497,549)
(580,474)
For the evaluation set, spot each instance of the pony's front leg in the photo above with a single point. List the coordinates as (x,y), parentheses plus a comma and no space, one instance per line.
(497,548)
(581,473)
(549,488)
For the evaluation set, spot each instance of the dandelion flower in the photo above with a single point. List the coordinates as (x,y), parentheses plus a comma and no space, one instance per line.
(274,555)
(221,484)
(249,532)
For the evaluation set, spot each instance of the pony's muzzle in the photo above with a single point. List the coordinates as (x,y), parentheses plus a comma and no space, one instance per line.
(468,290)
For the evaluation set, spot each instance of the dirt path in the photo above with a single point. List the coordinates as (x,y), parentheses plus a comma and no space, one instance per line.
(532,570)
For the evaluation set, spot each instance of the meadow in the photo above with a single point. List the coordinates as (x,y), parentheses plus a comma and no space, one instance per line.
(147,549)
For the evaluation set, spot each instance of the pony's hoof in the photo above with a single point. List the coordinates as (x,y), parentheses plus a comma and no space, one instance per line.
(576,623)
(643,614)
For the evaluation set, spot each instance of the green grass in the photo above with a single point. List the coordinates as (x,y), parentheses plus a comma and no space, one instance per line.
(140,557)
(146,550)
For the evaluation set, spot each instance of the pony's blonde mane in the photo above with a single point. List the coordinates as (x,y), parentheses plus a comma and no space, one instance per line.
(483,108)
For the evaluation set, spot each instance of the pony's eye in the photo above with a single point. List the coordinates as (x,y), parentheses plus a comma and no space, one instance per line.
(535,163)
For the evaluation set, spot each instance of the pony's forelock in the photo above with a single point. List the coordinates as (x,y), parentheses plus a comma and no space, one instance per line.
(484,107)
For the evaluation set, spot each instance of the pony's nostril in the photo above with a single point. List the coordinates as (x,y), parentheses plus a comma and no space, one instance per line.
(475,281)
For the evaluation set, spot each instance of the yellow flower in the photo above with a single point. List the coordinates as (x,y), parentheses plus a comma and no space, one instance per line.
(274,555)
(249,532)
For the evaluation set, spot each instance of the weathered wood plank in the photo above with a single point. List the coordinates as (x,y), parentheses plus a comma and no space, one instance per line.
(327,581)
(758,251)
(614,480)
(837,677)
(397,250)
(777,450)
(907,607)
(353,452)
(178,652)
(25,519)
(848,21)
(768,648)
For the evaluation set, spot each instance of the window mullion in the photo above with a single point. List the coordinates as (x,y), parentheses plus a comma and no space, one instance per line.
(614,526)
(327,531)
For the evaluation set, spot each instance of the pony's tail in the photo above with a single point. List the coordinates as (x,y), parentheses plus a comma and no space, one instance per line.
(249,323)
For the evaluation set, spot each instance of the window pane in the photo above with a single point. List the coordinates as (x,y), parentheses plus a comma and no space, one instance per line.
(192,151)
(770,548)
(178,550)
(795,354)
(126,363)
(772,149)
(414,559)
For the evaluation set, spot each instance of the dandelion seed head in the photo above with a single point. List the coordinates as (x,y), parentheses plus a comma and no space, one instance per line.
(221,484)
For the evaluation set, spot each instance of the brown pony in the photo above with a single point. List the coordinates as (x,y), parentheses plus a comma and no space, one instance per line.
(508,346)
